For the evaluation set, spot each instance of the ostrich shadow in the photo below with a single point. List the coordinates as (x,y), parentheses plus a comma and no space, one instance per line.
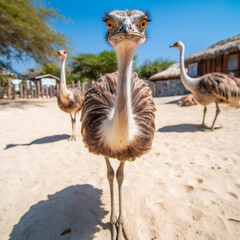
(48,139)
(180,128)
(75,212)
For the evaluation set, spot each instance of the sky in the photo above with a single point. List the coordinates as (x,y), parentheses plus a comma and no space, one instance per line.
(198,24)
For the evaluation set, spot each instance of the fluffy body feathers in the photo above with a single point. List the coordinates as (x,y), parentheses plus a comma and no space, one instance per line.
(99,106)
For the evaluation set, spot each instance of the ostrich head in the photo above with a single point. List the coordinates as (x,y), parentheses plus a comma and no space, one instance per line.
(126,29)
(62,54)
(179,45)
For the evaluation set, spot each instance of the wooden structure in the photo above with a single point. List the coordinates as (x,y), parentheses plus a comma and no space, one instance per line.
(41,79)
(10,90)
(33,90)
(223,56)
(168,82)
(44,87)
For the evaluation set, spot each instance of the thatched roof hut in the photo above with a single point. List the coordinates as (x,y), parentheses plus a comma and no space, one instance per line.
(223,56)
(172,72)
(225,46)
(167,82)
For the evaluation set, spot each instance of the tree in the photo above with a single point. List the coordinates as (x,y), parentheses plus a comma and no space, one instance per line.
(24,32)
(51,69)
(91,66)
(149,68)
(55,70)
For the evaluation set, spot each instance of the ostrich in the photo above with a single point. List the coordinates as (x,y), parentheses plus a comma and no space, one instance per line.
(69,100)
(209,88)
(118,114)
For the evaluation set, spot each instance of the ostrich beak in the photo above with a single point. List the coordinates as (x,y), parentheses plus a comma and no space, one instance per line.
(172,46)
(127,32)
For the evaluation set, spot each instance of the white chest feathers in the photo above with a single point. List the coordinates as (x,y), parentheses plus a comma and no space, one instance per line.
(118,130)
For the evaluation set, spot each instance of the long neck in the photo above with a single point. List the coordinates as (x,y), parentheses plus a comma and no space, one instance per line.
(123,116)
(63,87)
(123,98)
(188,82)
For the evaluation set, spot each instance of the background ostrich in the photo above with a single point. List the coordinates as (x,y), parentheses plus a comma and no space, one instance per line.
(69,100)
(211,87)
(118,111)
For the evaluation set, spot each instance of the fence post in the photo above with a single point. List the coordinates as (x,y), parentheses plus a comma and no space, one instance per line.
(38,89)
(34,90)
(21,90)
(58,90)
(43,91)
(50,91)
(13,91)
(1,91)
(27,90)
(9,87)
(79,85)
(47,92)
(24,90)
(31,90)
(86,86)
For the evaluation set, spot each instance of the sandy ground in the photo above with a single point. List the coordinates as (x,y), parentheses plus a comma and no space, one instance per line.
(186,188)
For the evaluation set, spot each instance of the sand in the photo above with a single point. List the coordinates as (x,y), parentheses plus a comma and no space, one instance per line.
(186,188)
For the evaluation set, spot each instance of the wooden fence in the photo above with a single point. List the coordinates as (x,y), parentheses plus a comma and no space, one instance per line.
(26,91)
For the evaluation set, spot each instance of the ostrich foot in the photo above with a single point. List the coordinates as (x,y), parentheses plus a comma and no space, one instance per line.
(72,138)
(122,234)
(119,232)
(114,231)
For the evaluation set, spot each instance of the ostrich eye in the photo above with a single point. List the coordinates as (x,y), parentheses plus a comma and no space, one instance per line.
(109,24)
(143,24)
(64,51)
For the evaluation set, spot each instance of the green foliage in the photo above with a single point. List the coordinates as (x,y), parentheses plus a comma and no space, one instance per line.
(91,66)
(24,32)
(23,82)
(3,79)
(87,67)
(55,69)
(49,68)
(149,68)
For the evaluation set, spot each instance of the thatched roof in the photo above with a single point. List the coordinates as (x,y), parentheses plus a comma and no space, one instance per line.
(223,47)
(172,72)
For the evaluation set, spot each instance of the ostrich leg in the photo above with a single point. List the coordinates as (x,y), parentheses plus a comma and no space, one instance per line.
(120,178)
(204,115)
(113,218)
(217,112)
(73,119)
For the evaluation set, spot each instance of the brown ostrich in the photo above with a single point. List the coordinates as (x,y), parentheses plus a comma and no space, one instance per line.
(209,88)
(69,100)
(118,112)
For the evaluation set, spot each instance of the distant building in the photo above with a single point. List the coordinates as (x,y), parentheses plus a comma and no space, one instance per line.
(46,80)
(168,82)
(223,56)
